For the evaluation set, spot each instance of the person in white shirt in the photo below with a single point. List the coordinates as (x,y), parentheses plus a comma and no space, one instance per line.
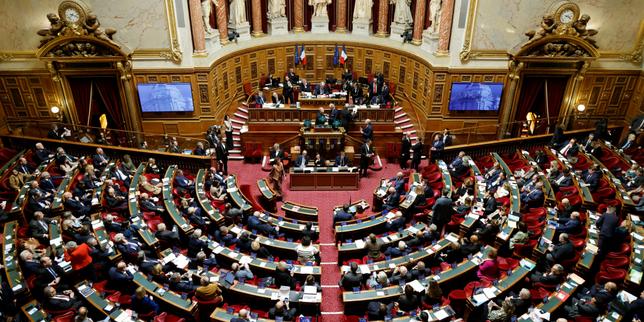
(306,252)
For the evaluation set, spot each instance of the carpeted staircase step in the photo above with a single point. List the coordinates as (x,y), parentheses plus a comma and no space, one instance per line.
(404,127)
(242,122)
(241,115)
(399,115)
(401,121)
(243,109)
(398,109)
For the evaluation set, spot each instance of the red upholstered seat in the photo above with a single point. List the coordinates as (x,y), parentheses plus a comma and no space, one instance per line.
(457,300)
(165,317)
(615,262)
(65,317)
(610,275)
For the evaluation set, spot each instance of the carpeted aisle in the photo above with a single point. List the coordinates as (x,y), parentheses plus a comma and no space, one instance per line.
(332,307)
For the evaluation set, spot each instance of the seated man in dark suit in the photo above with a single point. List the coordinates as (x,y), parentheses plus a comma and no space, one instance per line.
(181,286)
(51,275)
(39,227)
(342,214)
(183,183)
(564,250)
(223,236)
(563,180)
(55,301)
(592,178)
(119,278)
(259,99)
(283,276)
(41,154)
(46,184)
(458,167)
(570,149)
(392,200)
(74,205)
(534,197)
(396,251)
(351,279)
(570,225)
(302,160)
(148,205)
(555,276)
(196,244)
(281,310)
(321,117)
(254,223)
(168,236)
(398,182)
(342,160)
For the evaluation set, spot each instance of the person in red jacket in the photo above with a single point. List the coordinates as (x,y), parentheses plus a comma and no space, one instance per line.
(80,259)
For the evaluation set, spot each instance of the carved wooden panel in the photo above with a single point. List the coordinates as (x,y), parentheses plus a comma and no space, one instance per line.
(28,95)
(607,94)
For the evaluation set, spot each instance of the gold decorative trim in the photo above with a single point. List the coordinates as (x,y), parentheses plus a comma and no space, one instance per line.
(17,55)
(467,52)
(173,53)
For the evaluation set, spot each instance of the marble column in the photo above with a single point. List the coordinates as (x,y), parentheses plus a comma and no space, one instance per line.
(445,31)
(222,21)
(256,6)
(419,22)
(383,12)
(198,30)
(341,24)
(298,16)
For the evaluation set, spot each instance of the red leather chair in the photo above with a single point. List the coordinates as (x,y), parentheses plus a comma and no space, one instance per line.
(615,262)
(66,317)
(611,275)
(206,307)
(457,300)
(623,250)
(165,317)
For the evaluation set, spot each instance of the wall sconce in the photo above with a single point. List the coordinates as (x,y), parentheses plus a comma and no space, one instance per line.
(57,112)
(581,108)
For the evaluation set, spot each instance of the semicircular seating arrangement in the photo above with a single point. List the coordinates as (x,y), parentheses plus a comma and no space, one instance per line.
(452,240)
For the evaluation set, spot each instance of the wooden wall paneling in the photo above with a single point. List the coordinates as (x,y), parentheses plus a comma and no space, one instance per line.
(608,93)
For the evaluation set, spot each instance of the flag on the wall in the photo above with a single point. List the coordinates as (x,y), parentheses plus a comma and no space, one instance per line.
(296,56)
(336,56)
(303,55)
(343,55)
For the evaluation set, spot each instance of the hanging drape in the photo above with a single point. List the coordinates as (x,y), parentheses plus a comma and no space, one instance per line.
(108,93)
(80,91)
(531,92)
(556,90)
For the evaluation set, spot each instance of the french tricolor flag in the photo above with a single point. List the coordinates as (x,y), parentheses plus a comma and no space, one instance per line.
(343,55)
(303,55)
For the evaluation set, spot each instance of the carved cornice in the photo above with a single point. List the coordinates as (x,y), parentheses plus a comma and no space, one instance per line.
(635,56)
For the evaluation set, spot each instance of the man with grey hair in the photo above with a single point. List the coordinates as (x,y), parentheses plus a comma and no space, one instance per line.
(242,271)
(168,236)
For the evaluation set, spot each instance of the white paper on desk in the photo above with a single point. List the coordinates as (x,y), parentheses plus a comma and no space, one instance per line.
(390,215)
(236,230)
(441,314)
(32,311)
(544,315)
(308,289)
(262,264)
(417,286)
(452,238)
(181,261)
(261,290)
(306,269)
(108,307)
(592,248)
(245,260)
(57,241)
(364,269)
(344,269)
(380,293)
(385,239)
(17,287)
(169,258)
(275,296)
(360,243)
(575,278)
(218,249)
(412,230)
(490,292)
(392,265)
(479,299)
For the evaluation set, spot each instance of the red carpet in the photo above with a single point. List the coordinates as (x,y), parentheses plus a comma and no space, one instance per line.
(332,307)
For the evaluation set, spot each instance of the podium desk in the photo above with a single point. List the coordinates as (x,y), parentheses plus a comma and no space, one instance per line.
(312,179)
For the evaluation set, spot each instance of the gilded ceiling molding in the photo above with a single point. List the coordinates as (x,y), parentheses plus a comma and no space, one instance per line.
(635,56)
(173,53)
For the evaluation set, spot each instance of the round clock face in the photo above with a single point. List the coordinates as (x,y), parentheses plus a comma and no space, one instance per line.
(567,16)
(72,15)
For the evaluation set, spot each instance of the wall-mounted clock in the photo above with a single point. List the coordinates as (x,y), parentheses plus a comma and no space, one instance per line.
(567,13)
(73,12)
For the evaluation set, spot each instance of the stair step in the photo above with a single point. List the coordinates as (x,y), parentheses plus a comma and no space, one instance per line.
(238,121)
(398,109)
(237,127)
(399,115)
(243,109)
(411,132)
(234,151)
(406,126)
(236,132)
(405,120)
(241,116)
(235,157)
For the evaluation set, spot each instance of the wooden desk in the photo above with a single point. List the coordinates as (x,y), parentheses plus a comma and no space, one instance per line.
(268,194)
(57,203)
(99,302)
(447,177)
(324,181)
(349,250)
(361,228)
(232,189)
(168,201)
(98,194)
(34,312)
(21,199)
(282,248)
(549,192)
(103,238)
(171,298)
(292,227)
(206,206)
(616,183)
(299,211)
(221,315)
(334,98)
(292,115)
(592,242)
(12,162)
(12,269)
(135,214)
(554,302)
(479,190)
(633,279)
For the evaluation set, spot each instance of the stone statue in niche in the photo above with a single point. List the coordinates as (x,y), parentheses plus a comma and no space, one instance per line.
(548,25)
(319,7)
(94,28)
(402,12)
(237,12)
(53,30)
(206,11)
(584,33)
(276,9)
(362,10)
(435,15)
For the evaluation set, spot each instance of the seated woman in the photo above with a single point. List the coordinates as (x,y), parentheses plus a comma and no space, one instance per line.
(217,195)
(465,207)
(489,268)
(460,193)
(501,313)
(143,304)
(433,294)
(145,185)
(378,280)
(408,301)
(502,191)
